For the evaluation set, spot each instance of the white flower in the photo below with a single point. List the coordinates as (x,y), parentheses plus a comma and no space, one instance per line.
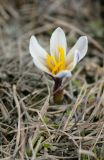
(58,63)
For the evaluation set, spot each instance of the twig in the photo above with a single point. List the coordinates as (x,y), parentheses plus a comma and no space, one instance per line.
(37,148)
(19,116)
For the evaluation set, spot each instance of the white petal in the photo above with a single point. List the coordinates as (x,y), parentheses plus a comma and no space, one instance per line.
(62,74)
(74,61)
(57,40)
(36,50)
(38,54)
(41,66)
(78,51)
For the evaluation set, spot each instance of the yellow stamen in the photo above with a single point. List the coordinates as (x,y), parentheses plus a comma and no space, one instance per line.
(56,68)
(54,60)
(56,65)
(49,62)
(61,57)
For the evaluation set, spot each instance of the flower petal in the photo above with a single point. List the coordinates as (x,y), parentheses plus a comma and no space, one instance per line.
(73,62)
(36,50)
(58,40)
(77,52)
(41,66)
(39,54)
(62,74)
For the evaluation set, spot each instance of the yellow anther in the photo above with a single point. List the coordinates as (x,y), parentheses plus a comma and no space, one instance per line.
(62,57)
(49,62)
(61,53)
(56,69)
(56,65)
(54,60)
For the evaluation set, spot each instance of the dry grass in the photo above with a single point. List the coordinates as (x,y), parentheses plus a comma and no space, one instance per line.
(31,125)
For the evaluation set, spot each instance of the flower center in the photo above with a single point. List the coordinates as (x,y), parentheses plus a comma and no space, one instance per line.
(54,64)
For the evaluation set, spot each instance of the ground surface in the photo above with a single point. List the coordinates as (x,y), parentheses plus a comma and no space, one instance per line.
(31,125)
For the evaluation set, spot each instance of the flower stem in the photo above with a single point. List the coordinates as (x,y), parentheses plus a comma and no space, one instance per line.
(58,93)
